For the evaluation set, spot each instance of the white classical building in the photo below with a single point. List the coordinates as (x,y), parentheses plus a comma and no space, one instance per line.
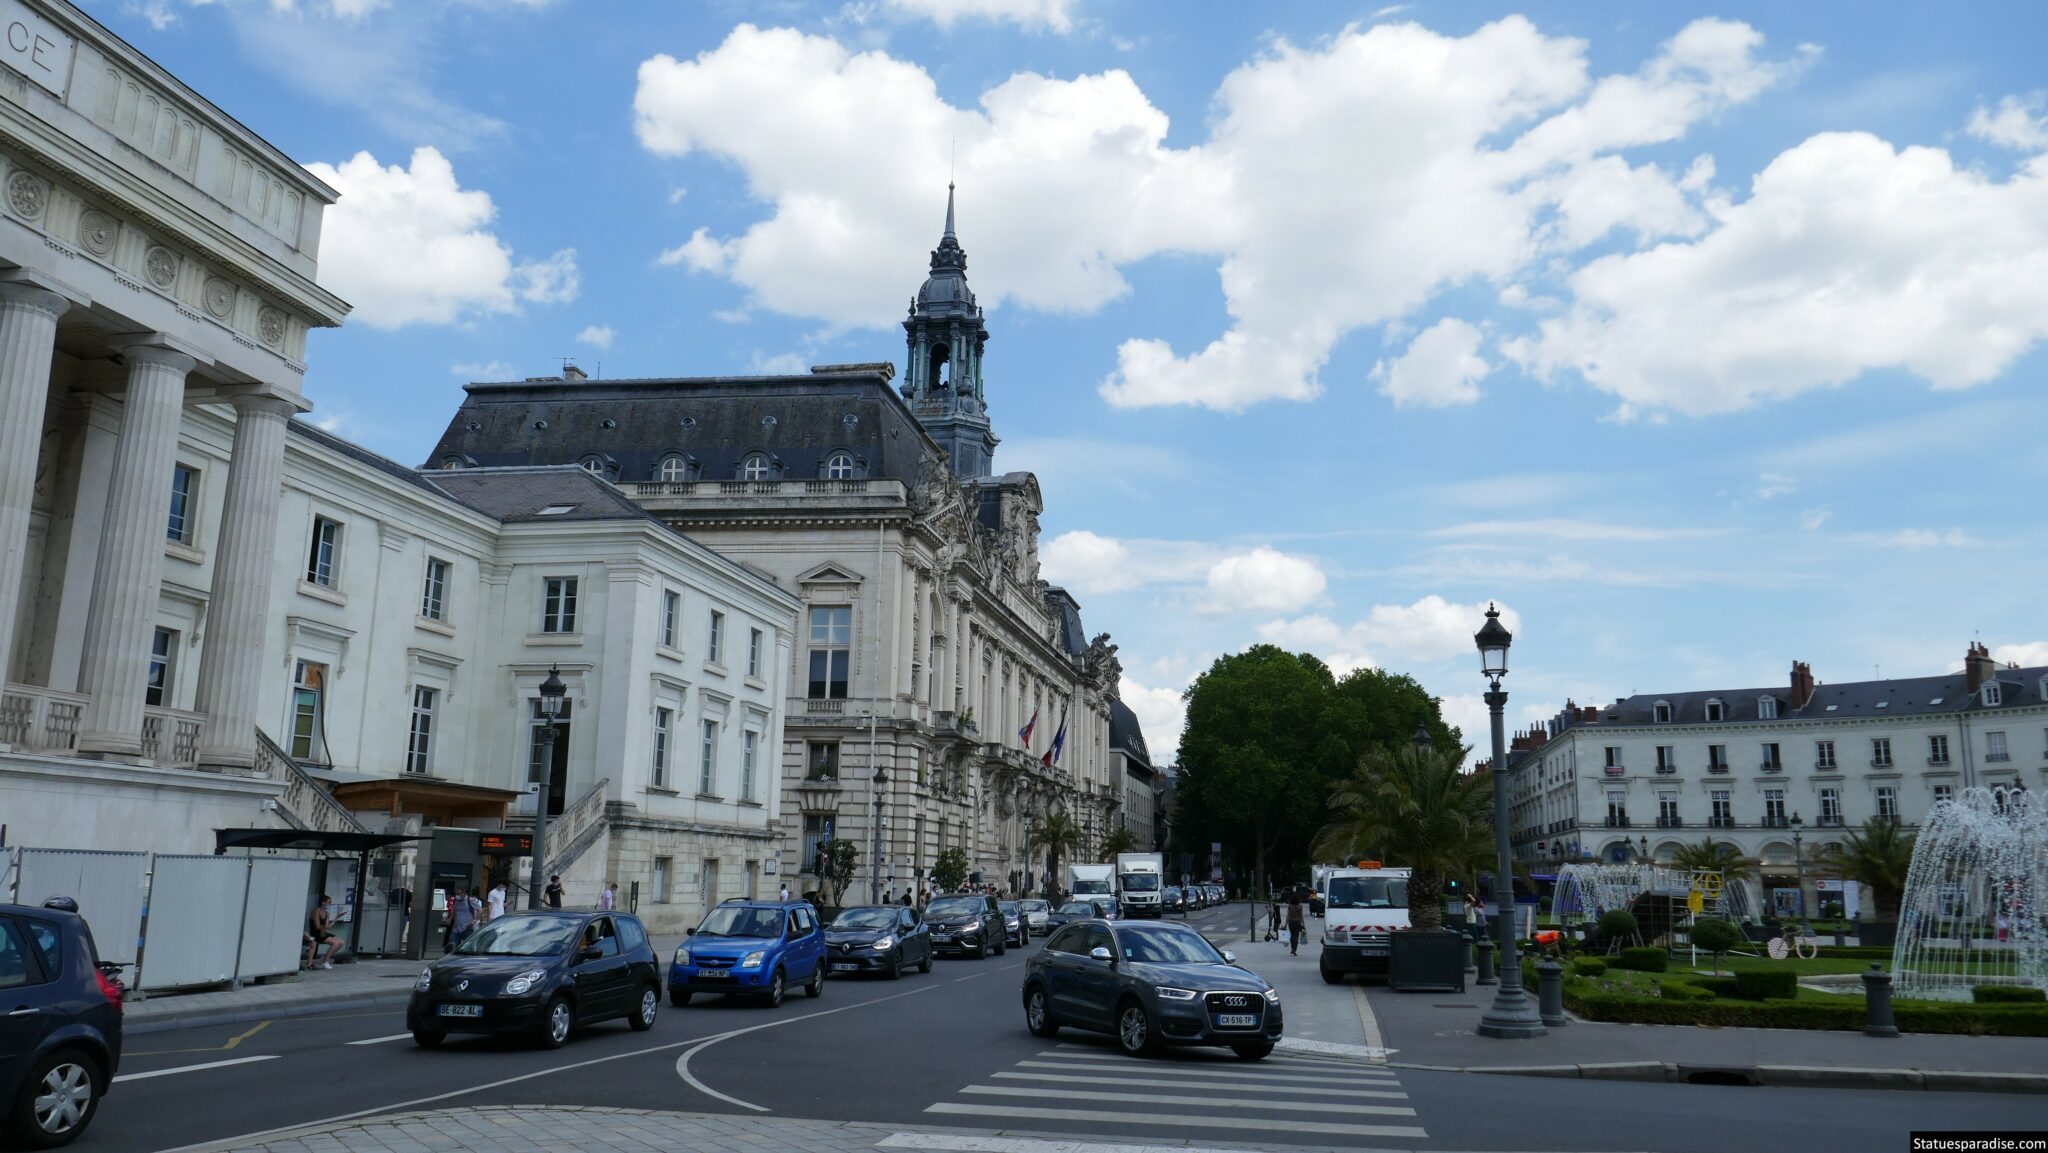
(1656,771)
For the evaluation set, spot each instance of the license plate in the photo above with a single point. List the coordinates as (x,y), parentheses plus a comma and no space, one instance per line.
(1236,1020)
(714,973)
(460,1010)
(845,968)
(942,938)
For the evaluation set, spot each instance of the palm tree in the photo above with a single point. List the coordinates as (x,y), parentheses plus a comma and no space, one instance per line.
(1879,856)
(1118,840)
(1056,831)
(1415,807)
(1713,856)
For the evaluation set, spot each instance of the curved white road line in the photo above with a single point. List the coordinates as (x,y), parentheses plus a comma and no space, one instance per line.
(683,1062)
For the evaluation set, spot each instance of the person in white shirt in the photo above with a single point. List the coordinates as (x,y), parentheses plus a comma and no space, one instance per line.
(497,900)
(609,899)
(785,890)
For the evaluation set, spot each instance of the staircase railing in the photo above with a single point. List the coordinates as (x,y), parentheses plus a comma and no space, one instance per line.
(576,829)
(305,804)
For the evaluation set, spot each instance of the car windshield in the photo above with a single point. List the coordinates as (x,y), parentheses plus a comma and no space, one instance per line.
(873,917)
(742,921)
(1172,893)
(955,906)
(1141,882)
(1168,947)
(1009,908)
(1078,909)
(1368,893)
(1033,906)
(520,937)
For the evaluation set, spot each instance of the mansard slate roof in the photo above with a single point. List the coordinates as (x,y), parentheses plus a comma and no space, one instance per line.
(1126,734)
(1910,696)
(713,421)
(516,495)
(1073,638)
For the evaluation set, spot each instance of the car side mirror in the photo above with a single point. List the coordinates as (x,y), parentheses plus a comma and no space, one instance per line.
(1098,953)
(590,953)
(1229,958)
(689,932)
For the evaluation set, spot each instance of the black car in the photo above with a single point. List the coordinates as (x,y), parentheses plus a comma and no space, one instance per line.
(883,939)
(1173,900)
(966,922)
(60,1026)
(540,974)
(1067,914)
(1149,984)
(1016,930)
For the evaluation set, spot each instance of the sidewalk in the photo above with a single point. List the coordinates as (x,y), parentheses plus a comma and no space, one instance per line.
(362,984)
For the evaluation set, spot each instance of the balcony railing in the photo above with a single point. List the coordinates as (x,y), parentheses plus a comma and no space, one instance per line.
(1667,769)
(1997,756)
(1720,767)
(1771,767)
(1880,762)
(171,738)
(1670,822)
(1721,822)
(1825,766)
(1616,770)
(1777,823)
(1619,821)
(1828,822)
(1941,760)
(37,720)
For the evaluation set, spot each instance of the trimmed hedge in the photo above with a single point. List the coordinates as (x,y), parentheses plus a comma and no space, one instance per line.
(1684,991)
(2009,994)
(1643,959)
(1589,966)
(1994,1020)
(1617,923)
(1766,984)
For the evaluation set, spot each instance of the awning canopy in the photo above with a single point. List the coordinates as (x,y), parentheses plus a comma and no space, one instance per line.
(441,802)
(352,843)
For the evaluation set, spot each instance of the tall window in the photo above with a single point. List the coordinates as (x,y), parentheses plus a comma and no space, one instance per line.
(839,466)
(1944,793)
(754,653)
(750,746)
(1771,758)
(715,650)
(1881,752)
(555,771)
(662,720)
(1887,803)
(419,743)
(1667,758)
(1613,756)
(1667,810)
(1774,806)
(184,483)
(817,828)
(434,594)
(1993,694)
(1831,806)
(1937,749)
(1717,758)
(707,881)
(1617,808)
(1823,754)
(755,467)
(1661,711)
(822,760)
(163,657)
(707,762)
(671,607)
(1994,747)
(1724,816)
(663,866)
(309,685)
(831,651)
(1767,708)
(558,605)
(322,559)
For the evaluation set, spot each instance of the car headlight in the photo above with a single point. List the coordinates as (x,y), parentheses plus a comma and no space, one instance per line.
(1272,996)
(426,979)
(885,943)
(754,958)
(1167,993)
(970,926)
(525,982)
(682,956)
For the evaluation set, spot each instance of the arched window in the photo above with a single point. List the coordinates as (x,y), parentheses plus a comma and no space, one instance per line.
(755,466)
(674,468)
(457,460)
(839,466)
(941,367)
(593,464)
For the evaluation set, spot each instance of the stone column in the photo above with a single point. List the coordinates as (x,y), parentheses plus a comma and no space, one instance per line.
(28,336)
(125,586)
(231,664)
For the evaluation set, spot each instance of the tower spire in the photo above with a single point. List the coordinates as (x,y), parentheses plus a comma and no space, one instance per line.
(949,209)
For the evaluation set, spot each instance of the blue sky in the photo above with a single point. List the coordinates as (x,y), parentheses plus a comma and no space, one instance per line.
(1703,339)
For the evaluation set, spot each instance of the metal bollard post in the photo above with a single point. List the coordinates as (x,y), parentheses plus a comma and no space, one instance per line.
(1486,974)
(1471,956)
(1550,992)
(1877,997)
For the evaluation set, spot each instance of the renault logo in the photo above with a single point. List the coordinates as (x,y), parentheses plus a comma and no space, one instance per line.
(462,984)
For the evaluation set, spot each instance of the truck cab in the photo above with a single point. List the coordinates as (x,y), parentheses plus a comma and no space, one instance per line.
(1363,908)
(1140,881)
(1091,883)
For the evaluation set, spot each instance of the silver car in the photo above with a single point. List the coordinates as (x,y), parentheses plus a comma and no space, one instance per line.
(1036,914)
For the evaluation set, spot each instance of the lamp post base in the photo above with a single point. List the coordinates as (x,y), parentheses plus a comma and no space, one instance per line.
(1513,1017)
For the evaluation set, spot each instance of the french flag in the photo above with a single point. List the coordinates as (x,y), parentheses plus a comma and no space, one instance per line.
(1024,734)
(1059,741)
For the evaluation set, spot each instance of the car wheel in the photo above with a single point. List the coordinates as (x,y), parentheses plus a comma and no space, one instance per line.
(896,965)
(1253,1050)
(1330,976)
(1134,1034)
(678,997)
(980,949)
(1003,943)
(643,1017)
(774,994)
(58,1100)
(1038,1014)
(925,966)
(817,986)
(428,1038)
(557,1023)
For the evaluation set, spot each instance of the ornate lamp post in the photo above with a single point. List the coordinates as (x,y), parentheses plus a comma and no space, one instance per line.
(878,782)
(1513,1014)
(1421,739)
(552,691)
(1799,865)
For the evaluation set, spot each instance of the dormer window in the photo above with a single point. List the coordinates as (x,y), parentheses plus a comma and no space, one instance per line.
(593,464)
(755,466)
(1661,712)
(674,469)
(1715,712)
(1994,693)
(839,466)
(1767,708)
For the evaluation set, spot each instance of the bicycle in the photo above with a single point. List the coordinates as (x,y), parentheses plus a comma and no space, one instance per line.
(1789,944)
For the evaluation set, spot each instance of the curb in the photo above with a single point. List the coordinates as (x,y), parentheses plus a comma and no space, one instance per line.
(238,1014)
(1775,1076)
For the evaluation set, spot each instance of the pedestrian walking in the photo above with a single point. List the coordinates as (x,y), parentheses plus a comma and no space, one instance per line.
(1297,923)
(785,890)
(462,920)
(319,931)
(609,899)
(906,896)
(553,893)
(496,902)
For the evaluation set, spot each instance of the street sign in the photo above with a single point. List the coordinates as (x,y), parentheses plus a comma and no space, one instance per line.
(518,844)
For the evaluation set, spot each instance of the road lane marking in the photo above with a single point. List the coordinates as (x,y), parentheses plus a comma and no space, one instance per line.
(1199,1102)
(990,1143)
(683,1062)
(193,1068)
(1182,1121)
(1244,1086)
(1284,1055)
(1361,1078)
(1370,1022)
(381,1040)
(968,977)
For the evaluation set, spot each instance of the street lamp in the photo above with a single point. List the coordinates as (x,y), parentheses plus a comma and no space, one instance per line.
(877,783)
(1799,864)
(1513,1014)
(542,773)
(1421,739)
(1643,848)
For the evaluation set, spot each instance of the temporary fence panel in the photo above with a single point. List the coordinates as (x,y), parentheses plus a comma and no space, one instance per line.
(272,929)
(195,920)
(108,887)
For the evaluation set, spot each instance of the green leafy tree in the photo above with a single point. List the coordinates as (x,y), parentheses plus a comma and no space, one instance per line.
(1056,833)
(949,872)
(1418,809)
(838,860)
(1717,937)
(1879,855)
(1117,840)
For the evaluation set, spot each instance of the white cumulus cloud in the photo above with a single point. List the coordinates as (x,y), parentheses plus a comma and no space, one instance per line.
(1915,539)
(1161,713)
(1054,15)
(598,335)
(1264,581)
(1442,367)
(410,245)
(1429,629)
(1218,578)
(2019,122)
(2028,655)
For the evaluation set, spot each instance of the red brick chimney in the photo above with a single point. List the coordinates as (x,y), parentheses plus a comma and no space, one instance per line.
(1802,685)
(1978,667)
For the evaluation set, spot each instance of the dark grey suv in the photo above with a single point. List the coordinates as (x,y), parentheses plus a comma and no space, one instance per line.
(1149,984)
(966,923)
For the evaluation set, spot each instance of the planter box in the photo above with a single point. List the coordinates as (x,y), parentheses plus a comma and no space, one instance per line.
(1881,933)
(1432,961)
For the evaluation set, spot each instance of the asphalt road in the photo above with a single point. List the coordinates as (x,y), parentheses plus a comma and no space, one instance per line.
(950,1049)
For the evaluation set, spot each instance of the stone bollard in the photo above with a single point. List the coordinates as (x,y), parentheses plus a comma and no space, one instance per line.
(1877,997)
(1485,951)
(1550,992)
(1471,956)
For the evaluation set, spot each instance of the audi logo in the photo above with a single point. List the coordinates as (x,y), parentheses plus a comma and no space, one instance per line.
(1237,1002)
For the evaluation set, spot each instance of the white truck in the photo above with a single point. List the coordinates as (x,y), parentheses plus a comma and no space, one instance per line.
(1140,882)
(1362,909)
(1091,883)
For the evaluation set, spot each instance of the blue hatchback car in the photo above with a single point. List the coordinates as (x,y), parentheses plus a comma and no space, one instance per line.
(751,948)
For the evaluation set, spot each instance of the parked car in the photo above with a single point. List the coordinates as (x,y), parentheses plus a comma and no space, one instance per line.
(539,974)
(1016,931)
(1173,900)
(1149,984)
(1036,914)
(751,948)
(966,922)
(60,1037)
(883,939)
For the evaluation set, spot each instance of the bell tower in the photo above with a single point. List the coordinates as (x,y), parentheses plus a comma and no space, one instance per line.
(946,336)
